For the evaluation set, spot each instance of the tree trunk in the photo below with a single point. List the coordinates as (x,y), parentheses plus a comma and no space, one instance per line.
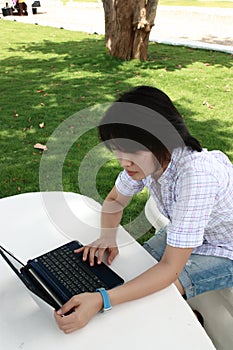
(127,27)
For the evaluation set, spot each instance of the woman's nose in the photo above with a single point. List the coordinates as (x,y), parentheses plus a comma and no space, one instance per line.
(125,162)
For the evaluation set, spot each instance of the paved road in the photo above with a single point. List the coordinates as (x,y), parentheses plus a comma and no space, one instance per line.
(209,28)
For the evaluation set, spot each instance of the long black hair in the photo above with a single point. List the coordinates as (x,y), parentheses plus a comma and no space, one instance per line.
(147,116)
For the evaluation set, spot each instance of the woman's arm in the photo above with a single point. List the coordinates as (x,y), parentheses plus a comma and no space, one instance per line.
(111,215)
(112,211)
(160,276)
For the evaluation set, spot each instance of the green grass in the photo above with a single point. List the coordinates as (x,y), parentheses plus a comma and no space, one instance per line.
(48,74)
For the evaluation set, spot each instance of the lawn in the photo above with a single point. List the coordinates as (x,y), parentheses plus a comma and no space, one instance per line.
(49,74)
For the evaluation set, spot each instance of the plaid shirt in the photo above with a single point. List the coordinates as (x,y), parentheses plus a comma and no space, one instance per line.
(195,193)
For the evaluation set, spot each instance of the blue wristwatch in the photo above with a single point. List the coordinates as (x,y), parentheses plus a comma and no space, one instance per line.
(106,300)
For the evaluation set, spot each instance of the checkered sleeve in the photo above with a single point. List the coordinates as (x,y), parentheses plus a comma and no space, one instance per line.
(196,194)
(127,186)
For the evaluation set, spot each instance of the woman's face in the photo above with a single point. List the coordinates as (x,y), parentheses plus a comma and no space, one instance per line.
(139,164)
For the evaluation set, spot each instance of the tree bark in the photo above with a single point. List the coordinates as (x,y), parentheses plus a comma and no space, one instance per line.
(128,24)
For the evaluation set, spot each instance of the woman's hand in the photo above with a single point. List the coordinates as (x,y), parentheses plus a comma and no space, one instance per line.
(101,245)
(111,215)
(82,307)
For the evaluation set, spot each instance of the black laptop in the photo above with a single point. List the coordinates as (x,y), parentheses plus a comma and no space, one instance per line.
(59,274)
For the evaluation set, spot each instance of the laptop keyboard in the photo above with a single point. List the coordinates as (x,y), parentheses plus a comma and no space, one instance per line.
(68,268)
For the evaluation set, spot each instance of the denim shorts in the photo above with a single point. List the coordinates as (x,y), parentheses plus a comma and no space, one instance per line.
(202,273)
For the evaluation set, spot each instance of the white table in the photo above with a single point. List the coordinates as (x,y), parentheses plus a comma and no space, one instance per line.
(36,222)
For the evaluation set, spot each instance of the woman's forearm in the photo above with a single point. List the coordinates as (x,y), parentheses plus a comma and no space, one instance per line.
(112,211)
(158,277)
(154,279)
(110,221)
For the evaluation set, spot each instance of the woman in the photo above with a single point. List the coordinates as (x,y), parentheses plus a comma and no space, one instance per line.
(192,187)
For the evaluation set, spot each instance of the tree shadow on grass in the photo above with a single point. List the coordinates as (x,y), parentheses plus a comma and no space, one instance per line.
(83,72)
(54,80)
(90,55)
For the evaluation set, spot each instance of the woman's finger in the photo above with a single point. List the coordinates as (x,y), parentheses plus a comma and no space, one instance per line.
(69,306)
(101,252)
(86,252)
(92,252)
(79,250)
(113,252)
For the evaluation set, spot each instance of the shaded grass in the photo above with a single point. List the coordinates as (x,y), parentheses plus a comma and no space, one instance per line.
(48,74)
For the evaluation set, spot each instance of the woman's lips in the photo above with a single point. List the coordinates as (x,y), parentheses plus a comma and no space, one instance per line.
(131,173)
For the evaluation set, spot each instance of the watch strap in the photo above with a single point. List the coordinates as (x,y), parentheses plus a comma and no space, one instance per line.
(105,297)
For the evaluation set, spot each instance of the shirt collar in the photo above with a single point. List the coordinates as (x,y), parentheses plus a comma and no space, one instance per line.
(175,156)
